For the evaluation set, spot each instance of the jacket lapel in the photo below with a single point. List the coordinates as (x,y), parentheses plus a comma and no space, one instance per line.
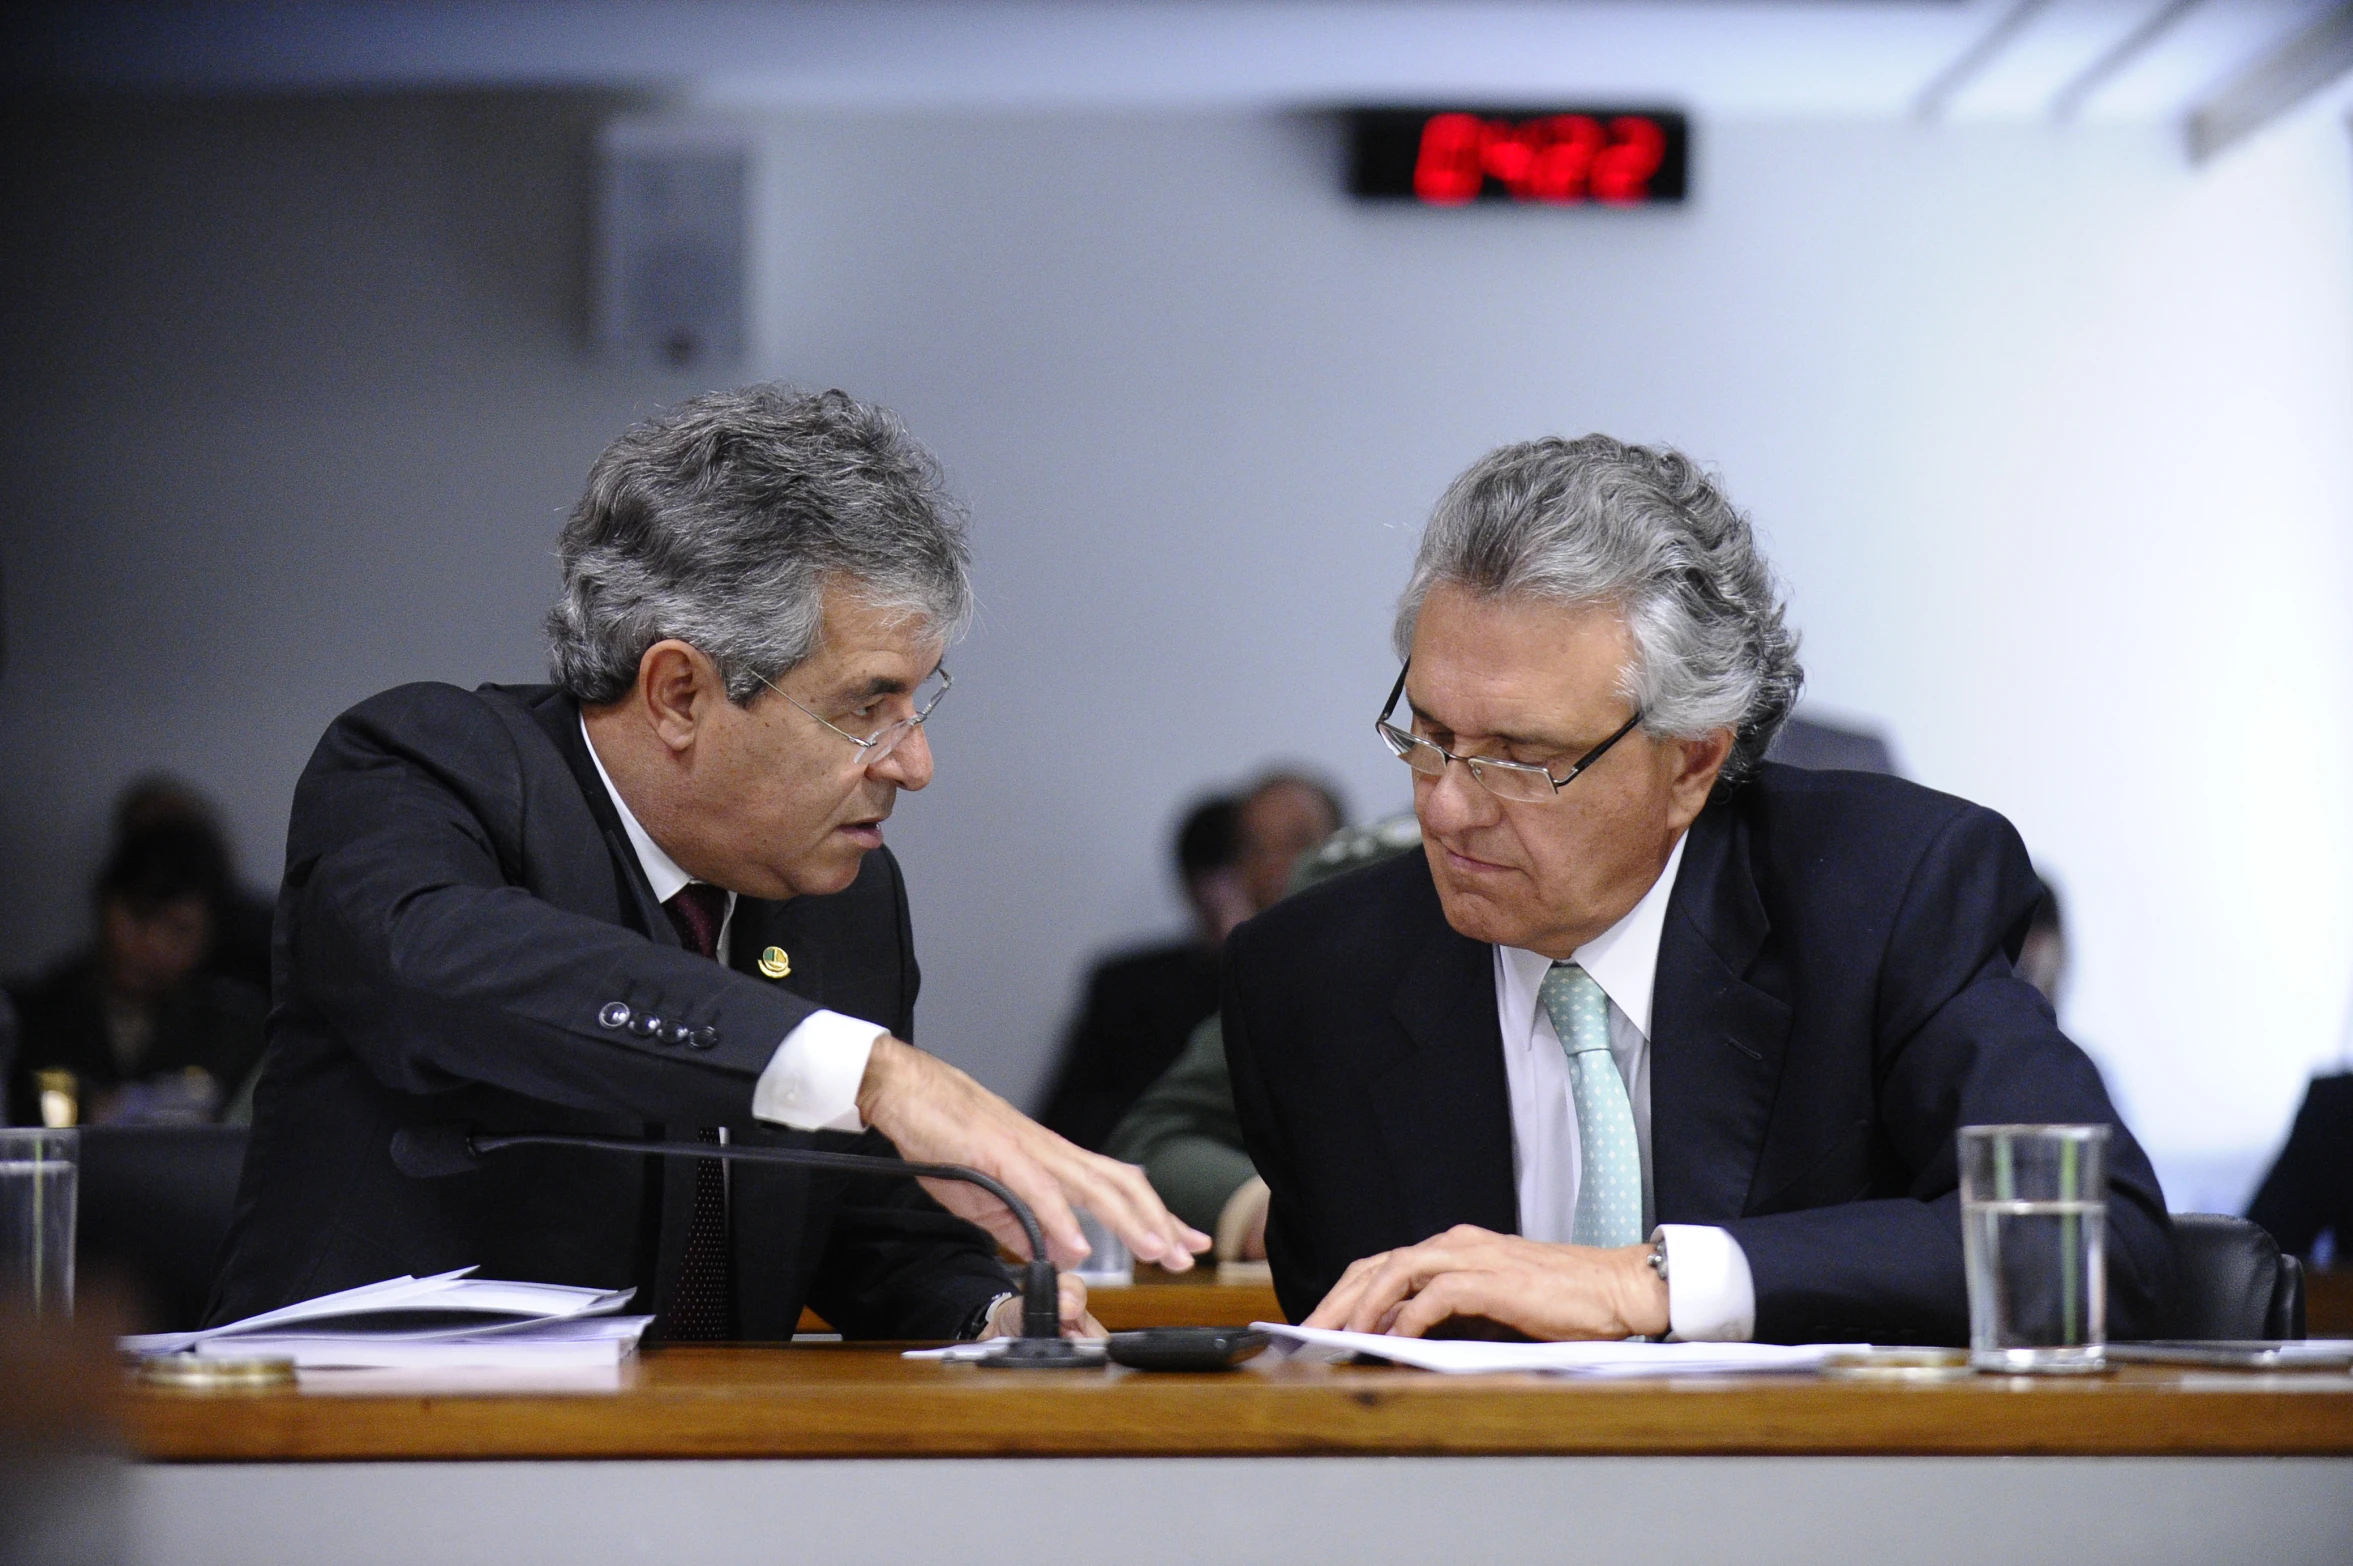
(559,715)
(759,925)
(669,1181)
(1442,1103)
(1717,1040)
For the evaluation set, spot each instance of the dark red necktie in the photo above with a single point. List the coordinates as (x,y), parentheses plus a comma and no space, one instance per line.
(702,1310)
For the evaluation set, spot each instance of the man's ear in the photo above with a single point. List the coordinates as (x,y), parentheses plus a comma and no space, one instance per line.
(1698,765)
(677,685)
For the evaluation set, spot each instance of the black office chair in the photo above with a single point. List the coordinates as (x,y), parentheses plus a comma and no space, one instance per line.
(2231,1281)
(155,1206)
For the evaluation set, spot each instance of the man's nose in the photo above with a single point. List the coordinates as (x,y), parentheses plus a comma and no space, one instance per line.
(909,763)
(1453,801)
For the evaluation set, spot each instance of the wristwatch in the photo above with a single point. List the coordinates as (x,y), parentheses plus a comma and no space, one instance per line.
(978,1322)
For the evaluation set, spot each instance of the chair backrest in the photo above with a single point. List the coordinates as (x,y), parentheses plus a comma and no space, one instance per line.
(2231,1282)
(155,1206)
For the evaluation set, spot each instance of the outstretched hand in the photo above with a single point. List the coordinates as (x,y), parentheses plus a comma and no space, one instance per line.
(935,1114)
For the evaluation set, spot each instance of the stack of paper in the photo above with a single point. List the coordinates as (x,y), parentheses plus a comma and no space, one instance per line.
(1462,1356)
(449,1322)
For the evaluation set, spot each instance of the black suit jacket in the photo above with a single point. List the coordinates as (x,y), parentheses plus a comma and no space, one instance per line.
(460,908)
(1140,1009)
(2309,1190)
(1834,998)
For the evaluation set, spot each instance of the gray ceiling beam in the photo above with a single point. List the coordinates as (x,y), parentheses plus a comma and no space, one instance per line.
(1973,60)
(2273,85)
(2069,99)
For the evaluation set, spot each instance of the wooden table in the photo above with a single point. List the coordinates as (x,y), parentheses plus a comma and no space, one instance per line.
(706,1452)
(860,1400)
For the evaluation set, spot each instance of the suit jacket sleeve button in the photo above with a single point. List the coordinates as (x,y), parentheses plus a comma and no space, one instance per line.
(646,1025)
(680,1033)
(704,1038)
(614,1015)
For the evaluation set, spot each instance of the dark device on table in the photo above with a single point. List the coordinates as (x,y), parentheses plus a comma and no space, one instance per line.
(433,1152)
(1185,1348)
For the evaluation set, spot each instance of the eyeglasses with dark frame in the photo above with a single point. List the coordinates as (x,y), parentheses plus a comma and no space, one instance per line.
(1514,780)
(884,740)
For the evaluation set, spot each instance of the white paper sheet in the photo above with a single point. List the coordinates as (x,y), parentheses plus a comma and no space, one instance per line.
(503,1307)
(465,1381)
(390,1294)
(592,1341)
(1462,1357)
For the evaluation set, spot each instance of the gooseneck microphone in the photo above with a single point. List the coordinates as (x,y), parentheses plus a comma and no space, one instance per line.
(433,1152)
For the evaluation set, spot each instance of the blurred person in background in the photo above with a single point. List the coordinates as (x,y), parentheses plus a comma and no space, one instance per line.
(1284,814)
(142,1032)
(241,915)
(1235,858)
(1183,1129)
(2042,961)
(1140,1004)
(1820,746)
(2306,1200)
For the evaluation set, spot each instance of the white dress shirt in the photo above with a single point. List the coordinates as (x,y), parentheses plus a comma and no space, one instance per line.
(811,1083)
(1710,1293)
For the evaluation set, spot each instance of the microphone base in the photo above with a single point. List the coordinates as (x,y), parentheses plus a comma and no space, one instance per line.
(1043,1354)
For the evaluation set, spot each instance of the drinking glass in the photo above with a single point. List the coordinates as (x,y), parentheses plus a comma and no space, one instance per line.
(1109,1261)
(2034,1235)
(37,1195)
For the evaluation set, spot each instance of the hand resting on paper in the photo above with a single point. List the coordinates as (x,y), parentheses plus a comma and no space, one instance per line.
(1545,1291)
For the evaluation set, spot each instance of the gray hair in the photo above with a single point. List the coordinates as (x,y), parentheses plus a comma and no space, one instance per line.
(1596,521)
(720,522)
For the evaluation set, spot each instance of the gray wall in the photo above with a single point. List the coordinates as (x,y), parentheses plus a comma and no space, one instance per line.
(2044,427)
(294,403)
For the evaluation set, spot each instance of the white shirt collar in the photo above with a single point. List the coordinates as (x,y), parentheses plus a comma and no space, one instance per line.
(660,869)
(1623,959)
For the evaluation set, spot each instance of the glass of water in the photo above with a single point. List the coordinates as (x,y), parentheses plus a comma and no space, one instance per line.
(1108,1262)
(2034,1242)
(37,1195)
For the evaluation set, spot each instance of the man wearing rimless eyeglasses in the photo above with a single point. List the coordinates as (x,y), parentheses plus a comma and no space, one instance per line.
(1655,1036)
(652,900)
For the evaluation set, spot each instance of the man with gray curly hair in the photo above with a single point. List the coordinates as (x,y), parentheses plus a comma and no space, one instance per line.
(653,899)
(1655,1035)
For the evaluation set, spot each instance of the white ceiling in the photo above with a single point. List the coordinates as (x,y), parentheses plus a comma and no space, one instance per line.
(1818,58)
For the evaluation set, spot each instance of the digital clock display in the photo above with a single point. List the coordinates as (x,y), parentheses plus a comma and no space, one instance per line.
(1536,157)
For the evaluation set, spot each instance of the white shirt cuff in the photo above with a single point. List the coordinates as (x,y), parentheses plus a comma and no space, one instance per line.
(811,1083)
(1711,1298)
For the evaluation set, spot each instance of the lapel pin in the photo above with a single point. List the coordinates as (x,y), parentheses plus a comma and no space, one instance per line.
(776,963)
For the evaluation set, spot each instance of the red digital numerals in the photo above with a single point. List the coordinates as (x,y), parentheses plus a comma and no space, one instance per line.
(1561,158)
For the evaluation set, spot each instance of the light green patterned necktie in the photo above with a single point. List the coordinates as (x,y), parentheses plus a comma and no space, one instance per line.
(1609,1159)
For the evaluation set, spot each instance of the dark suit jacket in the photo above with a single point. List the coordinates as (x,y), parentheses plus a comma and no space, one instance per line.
(1141,1007)
(2310,1189)
(460,906)
(1834,998)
